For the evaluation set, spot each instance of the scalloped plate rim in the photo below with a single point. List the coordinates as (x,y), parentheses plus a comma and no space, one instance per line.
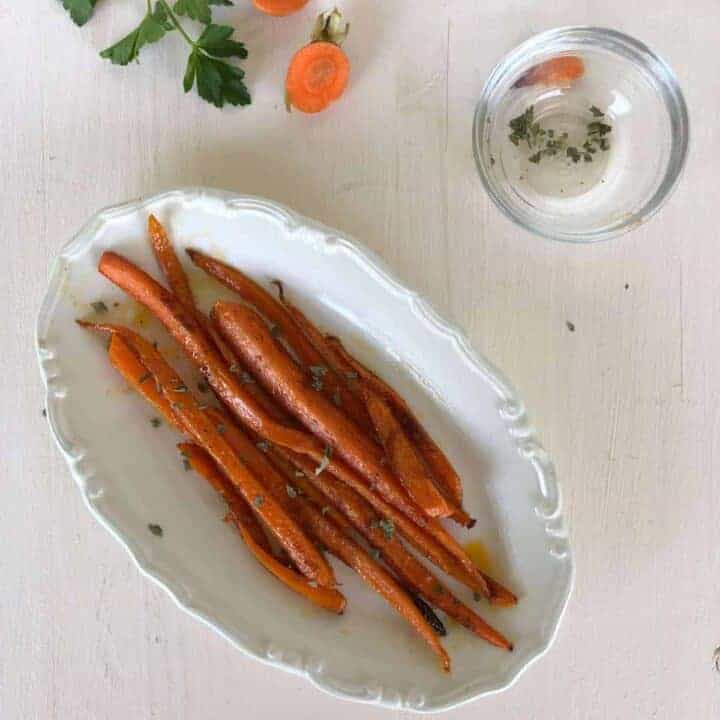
(510,407)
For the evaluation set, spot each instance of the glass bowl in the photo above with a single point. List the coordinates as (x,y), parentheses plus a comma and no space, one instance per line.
(599,135)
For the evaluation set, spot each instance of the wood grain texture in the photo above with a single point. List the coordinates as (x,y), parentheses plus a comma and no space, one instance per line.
(628,403)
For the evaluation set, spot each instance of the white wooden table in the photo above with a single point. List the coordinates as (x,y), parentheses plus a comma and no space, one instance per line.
(627,404)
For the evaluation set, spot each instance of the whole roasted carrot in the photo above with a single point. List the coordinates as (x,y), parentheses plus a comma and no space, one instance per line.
(339,360)
(249,337)
(442,468)
(125,361)
(170,263)
(210,437)
(251,292)
(183,325)
(251,532)
(404,459)
(421,539)
(380,533)
(325,531)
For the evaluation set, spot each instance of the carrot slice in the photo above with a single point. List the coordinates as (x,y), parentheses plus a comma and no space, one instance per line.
(318,74)
(245,332)
(210,436)
(380,533)
(405,460)
(279,8)
(251,532)
(251,292)
(557,72)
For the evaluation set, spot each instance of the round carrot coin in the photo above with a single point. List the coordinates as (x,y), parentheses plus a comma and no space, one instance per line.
(317,75)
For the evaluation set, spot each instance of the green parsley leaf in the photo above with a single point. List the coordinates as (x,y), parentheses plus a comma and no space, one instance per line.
(152,28)
(218,82)
(197,9)
(80,10)
(216,41)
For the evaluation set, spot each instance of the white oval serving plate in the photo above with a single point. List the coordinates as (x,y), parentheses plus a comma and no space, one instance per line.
(130,474)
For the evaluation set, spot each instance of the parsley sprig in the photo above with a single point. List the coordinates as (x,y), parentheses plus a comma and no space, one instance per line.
(217,81)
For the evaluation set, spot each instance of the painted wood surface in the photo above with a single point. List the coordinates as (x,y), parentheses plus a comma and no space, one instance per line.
(627,403)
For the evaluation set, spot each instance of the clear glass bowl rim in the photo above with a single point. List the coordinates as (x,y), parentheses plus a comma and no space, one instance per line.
(633,49)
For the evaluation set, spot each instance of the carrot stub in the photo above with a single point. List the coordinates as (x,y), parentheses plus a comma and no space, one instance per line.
(279,8)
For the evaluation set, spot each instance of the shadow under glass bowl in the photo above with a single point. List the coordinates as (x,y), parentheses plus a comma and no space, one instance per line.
(615,188)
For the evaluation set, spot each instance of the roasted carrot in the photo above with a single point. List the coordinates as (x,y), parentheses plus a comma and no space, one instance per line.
(184,327)
(443,470)
(251,532)
(559,71)
(324,530)
(191,416)
(282,323)
(421,539)
(241,398)
(248,336)
(125,361)
(170,263)
(338,359)
(381,534)
(318,73)
(279,8)
(404,459)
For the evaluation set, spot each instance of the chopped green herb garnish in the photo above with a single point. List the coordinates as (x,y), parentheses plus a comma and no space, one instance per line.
(246,378)
(375,553)
(156,422)
(388,527)
(275,330)
(352,375)
(573,153)
(99,307)
(477,596)
(263,446)
(186,464)
(221,428)
(598,128)
(202,386)
(258,501)
(155,529)
(291,491)
(318,372)
(337,398)
(544,142)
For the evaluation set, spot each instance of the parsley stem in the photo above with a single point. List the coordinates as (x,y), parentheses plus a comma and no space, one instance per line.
(176,22)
